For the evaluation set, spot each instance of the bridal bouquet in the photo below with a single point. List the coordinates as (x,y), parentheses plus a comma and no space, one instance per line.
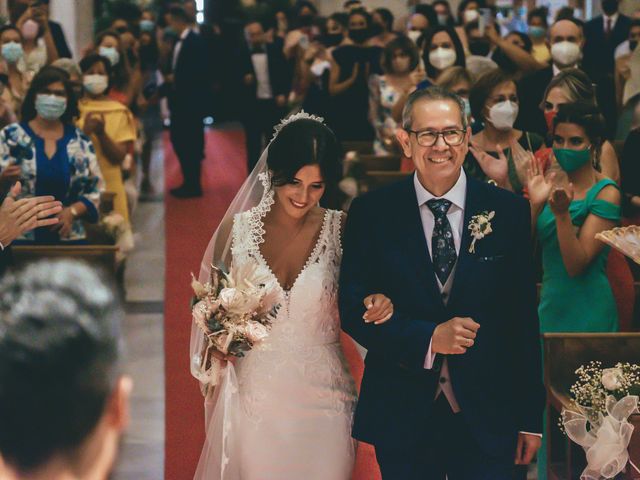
(604,398)
(234,311)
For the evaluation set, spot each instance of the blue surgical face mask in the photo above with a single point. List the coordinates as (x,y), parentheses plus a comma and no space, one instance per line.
(147,25)
(536,32)
(110,53)
(50,107)
(12,51)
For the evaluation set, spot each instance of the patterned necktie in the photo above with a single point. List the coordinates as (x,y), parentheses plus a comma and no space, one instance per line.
(443,250)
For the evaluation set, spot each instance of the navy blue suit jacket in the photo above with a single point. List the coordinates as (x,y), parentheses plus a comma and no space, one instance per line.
(497,382)
(189,94)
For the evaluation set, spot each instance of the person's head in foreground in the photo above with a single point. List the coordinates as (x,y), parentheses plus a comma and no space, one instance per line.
(63,399)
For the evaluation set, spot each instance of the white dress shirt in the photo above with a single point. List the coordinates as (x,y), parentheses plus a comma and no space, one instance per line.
(178,47)
(457,196)
(260,63)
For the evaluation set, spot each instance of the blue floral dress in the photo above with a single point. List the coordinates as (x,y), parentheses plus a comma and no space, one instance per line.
(71,175)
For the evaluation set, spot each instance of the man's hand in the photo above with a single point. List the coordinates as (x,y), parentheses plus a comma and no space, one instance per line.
(527,447)
(281,101)
(19,216)
(454,336)
(249,79)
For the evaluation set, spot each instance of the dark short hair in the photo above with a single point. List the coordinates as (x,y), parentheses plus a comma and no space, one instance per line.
(585,115)
(306,142)
(59,359)
(428,12)
(427,94)
(340,18)
(45,77)
(482,88)
(362,12)
(406,46)
(386,16)
(634,23)
(179,13)
(10,26)
(540,12)
(90,60)
(457,46)
(304,3)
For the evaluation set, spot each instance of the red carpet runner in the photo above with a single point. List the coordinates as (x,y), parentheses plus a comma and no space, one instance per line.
(189,226)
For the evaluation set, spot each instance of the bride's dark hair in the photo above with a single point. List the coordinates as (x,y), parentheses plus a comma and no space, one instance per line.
(307,142)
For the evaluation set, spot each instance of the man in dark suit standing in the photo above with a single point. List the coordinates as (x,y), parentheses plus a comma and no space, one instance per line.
(188,98)
(567,41)
(266,79)
(452,383)
(603,34)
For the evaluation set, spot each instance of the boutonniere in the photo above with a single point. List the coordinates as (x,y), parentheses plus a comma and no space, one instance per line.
(480,226)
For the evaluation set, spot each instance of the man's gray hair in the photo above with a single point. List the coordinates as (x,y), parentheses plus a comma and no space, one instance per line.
(431,93)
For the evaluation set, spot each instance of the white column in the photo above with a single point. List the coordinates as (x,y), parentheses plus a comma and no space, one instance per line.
(76,18)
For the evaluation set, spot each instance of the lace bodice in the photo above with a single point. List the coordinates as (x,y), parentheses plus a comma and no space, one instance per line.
(308,313)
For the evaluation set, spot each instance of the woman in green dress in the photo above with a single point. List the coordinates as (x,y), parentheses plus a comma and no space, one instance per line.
(576,295)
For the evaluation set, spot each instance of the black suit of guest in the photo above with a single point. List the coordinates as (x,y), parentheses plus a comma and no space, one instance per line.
(497,382)
(188,97)
(260,90)
(59,40)
(530,94)
(599,62)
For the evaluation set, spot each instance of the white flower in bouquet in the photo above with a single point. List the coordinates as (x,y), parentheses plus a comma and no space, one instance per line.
(612,378)
(239,302)
(256,332)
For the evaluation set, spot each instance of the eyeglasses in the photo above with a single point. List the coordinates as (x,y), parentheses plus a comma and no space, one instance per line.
(428,138)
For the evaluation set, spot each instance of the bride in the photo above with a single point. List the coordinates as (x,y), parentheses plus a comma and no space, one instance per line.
(284,411)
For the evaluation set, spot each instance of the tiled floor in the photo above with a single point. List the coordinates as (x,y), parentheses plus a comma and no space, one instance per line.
(142,449)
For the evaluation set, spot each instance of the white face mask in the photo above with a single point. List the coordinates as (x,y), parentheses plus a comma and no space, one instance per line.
(95,84)
(565,54)
(470,16)
(442,58)
(503,115)
(414,35)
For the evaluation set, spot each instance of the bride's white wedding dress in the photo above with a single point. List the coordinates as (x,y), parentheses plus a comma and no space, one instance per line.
(295,398)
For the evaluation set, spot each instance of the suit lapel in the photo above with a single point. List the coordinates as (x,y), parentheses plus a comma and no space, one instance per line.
(473,206)
(417,249)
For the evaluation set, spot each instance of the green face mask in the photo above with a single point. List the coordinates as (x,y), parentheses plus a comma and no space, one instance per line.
(571,160)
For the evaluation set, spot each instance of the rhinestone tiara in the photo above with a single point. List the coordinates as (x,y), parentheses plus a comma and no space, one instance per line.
(292,118)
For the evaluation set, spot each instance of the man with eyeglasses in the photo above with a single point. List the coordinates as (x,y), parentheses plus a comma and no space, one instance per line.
(452,381)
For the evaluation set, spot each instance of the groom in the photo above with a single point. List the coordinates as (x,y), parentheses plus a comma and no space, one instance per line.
(452,382)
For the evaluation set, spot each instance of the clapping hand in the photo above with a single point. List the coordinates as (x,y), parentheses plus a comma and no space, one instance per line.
(497,169)
(94,123)
(455,336)
(379,309)
(560,199)
(20,216)
(538,186)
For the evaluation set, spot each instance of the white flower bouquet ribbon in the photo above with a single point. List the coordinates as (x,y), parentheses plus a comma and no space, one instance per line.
(607,440)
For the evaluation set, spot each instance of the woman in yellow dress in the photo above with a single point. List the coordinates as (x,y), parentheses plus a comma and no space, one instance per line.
(110,125)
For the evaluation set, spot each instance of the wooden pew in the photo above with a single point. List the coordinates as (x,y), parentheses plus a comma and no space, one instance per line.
(563,354)
(358,146)
(389,163)
(102,256)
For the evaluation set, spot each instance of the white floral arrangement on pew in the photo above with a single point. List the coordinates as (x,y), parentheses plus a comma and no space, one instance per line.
(604,399)
(117,228)
(234,311)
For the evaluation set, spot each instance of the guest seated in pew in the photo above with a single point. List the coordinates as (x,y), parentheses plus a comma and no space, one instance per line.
(50,156)
(64,400)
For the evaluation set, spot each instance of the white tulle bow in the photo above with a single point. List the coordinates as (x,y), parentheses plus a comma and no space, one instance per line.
(607,439)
